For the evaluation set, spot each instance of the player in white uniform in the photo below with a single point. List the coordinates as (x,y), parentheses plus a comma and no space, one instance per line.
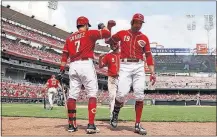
(112,61)
(79,47)
(133,44)
(51,86)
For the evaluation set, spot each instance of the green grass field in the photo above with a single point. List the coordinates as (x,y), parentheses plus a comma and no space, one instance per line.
(150,113)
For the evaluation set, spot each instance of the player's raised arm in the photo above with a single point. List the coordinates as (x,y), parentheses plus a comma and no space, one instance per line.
(114,39)
(102,33)
(111,24)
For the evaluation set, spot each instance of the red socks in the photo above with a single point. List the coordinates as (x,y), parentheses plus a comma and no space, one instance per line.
(138,109)
(71,104)
(92,109)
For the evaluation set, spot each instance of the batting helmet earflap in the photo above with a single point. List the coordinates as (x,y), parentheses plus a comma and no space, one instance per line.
(83,21)
(138,16)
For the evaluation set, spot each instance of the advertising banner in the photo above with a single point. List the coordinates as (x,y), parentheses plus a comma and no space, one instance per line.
(201,49)
(170,50)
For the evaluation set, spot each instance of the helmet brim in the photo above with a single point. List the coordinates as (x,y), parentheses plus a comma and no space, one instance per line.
(139,20)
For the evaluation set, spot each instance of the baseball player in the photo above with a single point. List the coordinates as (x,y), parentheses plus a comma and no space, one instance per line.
(133,44)
(198,99)
(112,61)
(79,47)
(51,86)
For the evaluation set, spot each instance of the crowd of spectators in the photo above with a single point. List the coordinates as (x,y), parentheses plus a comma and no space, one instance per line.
(197,63)
(192,59)
(180,96)
(104,96)
(26,90)
(164,63)
(31,90)
(24,49)
(187,82)
(30,34)
(29,51)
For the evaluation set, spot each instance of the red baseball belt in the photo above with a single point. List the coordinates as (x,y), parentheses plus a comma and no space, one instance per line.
(86,58)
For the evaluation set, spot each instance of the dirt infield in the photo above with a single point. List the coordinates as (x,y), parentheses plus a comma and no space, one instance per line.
(48,126)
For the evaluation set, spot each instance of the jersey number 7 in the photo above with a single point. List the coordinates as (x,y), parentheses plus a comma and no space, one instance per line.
(77,44)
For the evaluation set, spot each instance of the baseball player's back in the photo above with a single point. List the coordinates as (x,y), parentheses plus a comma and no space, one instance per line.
(79,47)
(81,44)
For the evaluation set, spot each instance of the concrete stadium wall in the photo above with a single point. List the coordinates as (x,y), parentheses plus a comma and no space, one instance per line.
(3,69)
(130,102)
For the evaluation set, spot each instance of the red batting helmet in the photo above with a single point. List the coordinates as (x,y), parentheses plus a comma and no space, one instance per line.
(83,21)
(138,16)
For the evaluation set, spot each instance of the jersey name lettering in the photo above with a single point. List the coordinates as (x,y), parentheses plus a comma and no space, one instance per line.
(77,36)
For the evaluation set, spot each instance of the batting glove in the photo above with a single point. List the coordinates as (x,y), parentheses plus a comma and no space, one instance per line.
(101,25)
(152,79)
(111,23)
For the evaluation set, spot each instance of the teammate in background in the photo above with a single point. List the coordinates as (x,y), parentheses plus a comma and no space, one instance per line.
(51,86)
(112,61)
(133,44)
(198,99)
(79,47)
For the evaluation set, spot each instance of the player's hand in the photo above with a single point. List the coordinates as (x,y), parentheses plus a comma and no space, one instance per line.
(111,23)
(152,79)
(101,25)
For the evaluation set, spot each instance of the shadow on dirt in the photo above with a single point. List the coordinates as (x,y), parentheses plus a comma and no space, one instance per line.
(103,124)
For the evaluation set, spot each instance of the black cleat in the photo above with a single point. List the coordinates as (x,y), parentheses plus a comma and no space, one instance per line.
(140,130)
(91,129)
(114,120)
(71,128)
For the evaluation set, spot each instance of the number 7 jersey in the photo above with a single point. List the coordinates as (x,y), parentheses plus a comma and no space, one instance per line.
(81,44)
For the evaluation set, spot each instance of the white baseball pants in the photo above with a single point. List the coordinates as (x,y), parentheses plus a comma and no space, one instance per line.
(51,94)
(131,74)
(82,72)
(112,88)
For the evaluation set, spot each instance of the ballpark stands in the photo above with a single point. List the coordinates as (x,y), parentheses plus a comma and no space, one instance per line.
(43,60)
(185,63)
(29,34)
(27,50)
(185,82)
(25,89)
